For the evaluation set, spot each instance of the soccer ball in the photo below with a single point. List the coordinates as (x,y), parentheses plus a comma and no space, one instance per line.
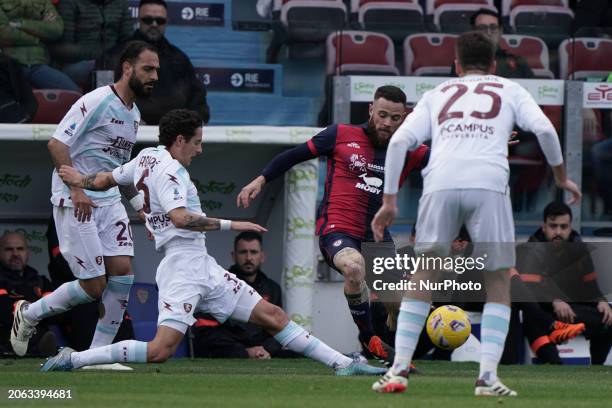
(448,327)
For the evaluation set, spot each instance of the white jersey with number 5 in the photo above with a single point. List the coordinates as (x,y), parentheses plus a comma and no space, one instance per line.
(166,185)
(469,120)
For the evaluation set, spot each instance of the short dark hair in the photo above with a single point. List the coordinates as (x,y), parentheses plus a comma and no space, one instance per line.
(248,236)
(158,2)
(178,122)
(475,51)
(557,208)
(131,52)
(487,12)
(391,93)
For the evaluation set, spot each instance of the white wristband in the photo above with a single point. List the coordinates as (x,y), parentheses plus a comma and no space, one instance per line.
(137,202)
(225,225)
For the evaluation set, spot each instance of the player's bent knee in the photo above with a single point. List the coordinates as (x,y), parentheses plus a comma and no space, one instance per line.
(353,272)
(94,287)
(158,352)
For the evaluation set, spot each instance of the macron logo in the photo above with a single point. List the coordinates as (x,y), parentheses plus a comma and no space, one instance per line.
(172,178)
(83,109)
(80,262)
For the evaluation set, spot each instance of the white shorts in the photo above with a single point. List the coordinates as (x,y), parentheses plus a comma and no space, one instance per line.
(190,280)
(85,244)
(486,214)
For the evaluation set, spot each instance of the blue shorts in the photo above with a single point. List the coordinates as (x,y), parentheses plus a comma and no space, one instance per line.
(334,242)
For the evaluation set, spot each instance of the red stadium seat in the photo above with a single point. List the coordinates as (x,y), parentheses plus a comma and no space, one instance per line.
(533,49)
(312,20)
(359,53)
(539,16)
(585,57)
(396,18)
(53,104)
(453,16)
(429,54)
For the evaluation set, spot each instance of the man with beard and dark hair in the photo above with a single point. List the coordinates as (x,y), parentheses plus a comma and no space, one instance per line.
(234,339)
(93,229)
(20,281)
(353,193)
(178,87)
(556,266)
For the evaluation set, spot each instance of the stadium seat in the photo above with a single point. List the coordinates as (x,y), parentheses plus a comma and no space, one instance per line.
(453,16)
(534,51)
(585,57)
(312,20)
(429,54)
(396,18)
(53,104)
(360,53)
(539,17)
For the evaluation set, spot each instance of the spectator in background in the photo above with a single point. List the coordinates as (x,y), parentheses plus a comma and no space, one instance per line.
(178,86)
(20,281)
(25,28)
(17,102)
(91,29)
(563,277)
(508,65)
(234,339)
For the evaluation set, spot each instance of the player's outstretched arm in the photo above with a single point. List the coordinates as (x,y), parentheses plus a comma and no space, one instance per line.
(562,181)
(94,182)
(384,216)
(181,218)
(250,191)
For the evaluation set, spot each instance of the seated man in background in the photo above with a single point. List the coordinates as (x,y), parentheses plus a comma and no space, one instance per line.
(178,86)
(507,65)
(91,29)
(19,281)
(234,339)
(562,276)
(25,28)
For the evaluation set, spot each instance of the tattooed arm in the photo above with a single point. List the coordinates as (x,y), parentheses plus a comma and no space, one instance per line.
(181,218)
(94,182)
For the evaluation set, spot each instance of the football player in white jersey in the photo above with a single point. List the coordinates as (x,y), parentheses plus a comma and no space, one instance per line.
(189,279)
(465,182)
(97,134)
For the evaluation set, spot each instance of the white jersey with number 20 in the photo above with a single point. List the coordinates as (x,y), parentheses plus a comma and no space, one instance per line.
(469,120)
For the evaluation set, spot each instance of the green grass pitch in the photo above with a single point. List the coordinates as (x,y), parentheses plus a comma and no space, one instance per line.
(302,383)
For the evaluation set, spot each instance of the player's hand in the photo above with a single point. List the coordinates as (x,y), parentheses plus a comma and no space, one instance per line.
(258,352)
(383,218)
(247,226)
(512,140)
(604,308)
(250,191)
(571,187)
(70,176)
(82,205)
(563,311)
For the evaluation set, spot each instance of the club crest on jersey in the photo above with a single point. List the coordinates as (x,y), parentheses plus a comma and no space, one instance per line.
(187,307)
(99,260)
(358,162)
(370,184)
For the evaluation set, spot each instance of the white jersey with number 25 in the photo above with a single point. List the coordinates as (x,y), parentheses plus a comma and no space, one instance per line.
(469,120)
